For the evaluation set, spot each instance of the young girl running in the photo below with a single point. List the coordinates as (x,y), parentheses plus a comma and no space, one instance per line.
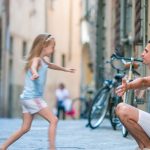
(32,96)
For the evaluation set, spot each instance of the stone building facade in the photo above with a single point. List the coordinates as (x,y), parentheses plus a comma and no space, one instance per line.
(25,20)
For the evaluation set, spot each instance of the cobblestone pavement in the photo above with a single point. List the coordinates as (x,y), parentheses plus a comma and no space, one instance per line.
(71,135)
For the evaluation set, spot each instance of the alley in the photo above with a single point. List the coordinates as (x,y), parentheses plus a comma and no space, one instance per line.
(71,135)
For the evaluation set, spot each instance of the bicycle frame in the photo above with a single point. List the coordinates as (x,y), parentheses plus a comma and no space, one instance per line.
(129,78)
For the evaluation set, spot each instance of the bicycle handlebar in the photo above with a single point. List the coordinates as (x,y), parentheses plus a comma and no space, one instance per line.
(126,58)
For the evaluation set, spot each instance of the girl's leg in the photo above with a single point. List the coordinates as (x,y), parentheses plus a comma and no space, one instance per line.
(48,115)
(27,120)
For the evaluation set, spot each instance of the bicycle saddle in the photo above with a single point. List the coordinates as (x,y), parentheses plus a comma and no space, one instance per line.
(119,76)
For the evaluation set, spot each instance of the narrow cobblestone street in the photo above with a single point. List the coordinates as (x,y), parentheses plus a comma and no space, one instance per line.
(71,135)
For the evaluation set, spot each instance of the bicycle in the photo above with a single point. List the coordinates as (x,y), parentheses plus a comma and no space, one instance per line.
(79,106)
(105,99)
(129,97)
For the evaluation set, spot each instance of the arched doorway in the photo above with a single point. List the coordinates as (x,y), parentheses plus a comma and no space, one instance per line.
(86,67)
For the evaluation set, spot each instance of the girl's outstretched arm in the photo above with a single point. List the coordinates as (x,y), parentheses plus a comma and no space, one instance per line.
(34,68)
(56,67)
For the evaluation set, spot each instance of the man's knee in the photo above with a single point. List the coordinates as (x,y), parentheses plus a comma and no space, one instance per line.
(122,110)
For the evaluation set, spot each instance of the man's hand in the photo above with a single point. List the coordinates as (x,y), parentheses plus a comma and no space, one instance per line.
(122,88)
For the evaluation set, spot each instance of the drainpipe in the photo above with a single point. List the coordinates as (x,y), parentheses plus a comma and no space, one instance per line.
(122,24)
(4,77)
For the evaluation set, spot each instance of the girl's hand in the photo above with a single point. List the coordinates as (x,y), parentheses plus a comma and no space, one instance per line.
(71,70)
(122,88)
(35,76)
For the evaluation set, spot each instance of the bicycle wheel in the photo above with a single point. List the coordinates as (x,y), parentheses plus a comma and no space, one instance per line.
(79,105)
(83,108)
(114,120)
(98,108)
(124,131)
(129,99)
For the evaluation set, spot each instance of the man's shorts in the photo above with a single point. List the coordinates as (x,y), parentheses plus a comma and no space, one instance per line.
(33,106)
(144,121)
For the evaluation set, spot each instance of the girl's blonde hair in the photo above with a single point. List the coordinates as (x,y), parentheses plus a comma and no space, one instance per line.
(40,42)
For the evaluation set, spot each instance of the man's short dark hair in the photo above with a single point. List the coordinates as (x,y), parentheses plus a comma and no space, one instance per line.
(149,41)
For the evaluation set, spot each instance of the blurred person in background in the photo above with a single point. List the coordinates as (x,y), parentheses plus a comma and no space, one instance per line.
(62,100)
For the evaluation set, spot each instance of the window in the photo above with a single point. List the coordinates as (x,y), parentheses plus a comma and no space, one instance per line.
(11,45)
(128,18)
(24,49)
(63,60)
(117,23)
(52,58)
(52,4)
